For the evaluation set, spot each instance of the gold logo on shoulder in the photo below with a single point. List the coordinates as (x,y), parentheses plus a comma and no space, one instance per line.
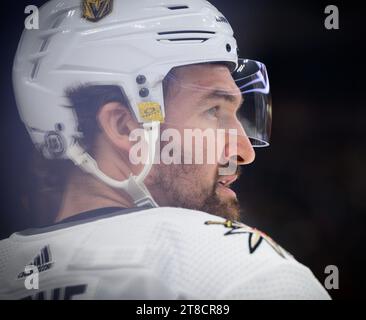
(255,238)
(95,10)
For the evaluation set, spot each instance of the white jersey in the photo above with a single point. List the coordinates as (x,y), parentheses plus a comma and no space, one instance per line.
(160,253)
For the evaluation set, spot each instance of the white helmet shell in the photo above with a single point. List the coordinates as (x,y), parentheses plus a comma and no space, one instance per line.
(134,47)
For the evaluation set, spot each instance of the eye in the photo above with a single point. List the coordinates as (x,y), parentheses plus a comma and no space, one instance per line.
(213,112)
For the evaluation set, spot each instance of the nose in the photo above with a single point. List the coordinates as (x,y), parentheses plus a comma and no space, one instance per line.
(239,149)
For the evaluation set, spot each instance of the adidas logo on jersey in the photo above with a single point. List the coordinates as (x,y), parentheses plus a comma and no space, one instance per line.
(43,262)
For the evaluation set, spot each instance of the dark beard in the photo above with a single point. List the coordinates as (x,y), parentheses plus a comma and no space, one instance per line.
(170,181)
(228,209)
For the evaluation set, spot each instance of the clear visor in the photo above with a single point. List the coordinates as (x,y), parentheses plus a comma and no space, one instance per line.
(211,99)
(255,114)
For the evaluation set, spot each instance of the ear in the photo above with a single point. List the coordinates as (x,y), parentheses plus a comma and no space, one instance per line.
(116,122)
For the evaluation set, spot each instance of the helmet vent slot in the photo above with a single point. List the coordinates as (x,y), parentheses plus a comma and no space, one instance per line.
(46,41)
(185,40)
(59,20)
(178,7)
(185,36)
(185,31)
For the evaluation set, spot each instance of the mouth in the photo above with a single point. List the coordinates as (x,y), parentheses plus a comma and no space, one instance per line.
(223,185)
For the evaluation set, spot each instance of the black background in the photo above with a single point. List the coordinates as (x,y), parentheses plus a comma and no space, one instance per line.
(308,189)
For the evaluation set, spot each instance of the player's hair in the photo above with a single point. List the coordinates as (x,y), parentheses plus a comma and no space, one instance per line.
(86,100)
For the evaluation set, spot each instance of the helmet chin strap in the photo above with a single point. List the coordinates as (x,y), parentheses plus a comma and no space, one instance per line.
(134,185)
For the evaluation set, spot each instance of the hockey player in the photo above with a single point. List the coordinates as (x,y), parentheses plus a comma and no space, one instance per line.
(94,76)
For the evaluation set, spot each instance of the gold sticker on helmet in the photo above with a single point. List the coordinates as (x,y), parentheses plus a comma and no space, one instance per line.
(95,10)
(150,111)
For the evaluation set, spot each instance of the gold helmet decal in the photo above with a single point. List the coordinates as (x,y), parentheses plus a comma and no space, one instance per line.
(95,10)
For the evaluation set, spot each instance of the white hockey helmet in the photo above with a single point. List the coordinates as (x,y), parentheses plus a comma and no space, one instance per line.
(128,43)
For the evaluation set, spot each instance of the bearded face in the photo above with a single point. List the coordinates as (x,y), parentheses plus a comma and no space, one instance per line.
(202,186)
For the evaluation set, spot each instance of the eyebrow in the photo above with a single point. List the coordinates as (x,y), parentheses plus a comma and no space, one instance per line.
(222,94)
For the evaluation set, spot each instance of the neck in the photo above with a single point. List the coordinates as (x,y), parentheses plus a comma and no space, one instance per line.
(83,193)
